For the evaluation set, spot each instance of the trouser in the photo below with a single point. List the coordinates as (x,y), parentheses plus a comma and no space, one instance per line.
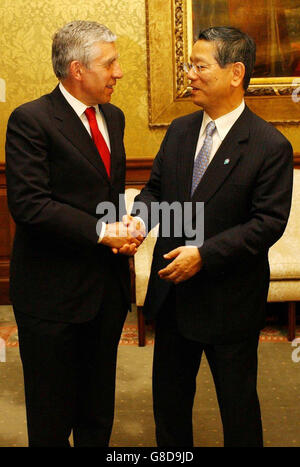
(175,367)
(69,375)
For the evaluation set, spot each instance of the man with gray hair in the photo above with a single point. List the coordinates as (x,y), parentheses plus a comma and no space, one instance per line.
(70,292)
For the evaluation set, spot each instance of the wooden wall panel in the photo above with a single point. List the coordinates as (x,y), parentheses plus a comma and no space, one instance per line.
(137,172)
(6,238)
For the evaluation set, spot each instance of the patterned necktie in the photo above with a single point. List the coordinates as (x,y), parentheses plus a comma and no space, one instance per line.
(98,138)
(202,159)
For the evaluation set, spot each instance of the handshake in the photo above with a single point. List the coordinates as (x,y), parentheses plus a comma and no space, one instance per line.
(124,237)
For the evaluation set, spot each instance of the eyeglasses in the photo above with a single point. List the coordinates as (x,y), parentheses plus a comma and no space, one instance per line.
(196,68)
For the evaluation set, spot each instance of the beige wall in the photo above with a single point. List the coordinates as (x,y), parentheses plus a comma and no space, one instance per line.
(292,133)
(25,59)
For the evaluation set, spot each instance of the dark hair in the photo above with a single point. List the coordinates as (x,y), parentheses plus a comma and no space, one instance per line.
(232,45)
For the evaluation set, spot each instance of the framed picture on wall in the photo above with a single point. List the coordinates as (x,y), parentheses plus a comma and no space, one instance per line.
(172,28)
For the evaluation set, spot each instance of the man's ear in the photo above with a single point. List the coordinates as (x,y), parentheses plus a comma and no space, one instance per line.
(238,74)
(75,70)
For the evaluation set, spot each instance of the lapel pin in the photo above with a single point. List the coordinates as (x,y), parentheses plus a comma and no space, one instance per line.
(226,161)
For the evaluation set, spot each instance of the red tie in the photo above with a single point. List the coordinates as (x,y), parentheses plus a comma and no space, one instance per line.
(98,138)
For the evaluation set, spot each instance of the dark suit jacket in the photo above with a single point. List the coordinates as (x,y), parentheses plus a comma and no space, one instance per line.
(247,202)
(55,180)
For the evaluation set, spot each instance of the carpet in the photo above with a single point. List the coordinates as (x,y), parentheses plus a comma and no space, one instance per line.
(9,333)
(275,333)
(268,334)
(275,330)
(278,387)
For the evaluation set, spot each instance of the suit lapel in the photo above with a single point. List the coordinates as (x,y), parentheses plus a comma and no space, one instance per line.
(225,159)
(187,143)
(72,128)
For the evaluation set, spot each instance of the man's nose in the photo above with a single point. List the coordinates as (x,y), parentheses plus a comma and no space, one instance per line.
(117,72)
(192,75)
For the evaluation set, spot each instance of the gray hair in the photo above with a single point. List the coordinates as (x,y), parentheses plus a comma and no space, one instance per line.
(232,45)
(75,41)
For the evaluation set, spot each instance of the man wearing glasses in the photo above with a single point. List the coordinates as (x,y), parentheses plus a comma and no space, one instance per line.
(211,297)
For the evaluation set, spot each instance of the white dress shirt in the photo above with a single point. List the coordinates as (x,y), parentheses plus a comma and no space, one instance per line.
(80,108)
(223,125)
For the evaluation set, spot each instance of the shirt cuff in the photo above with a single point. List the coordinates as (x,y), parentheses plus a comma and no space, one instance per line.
(102,231)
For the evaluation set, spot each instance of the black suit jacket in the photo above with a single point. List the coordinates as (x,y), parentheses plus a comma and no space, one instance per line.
(246,206)
(55,180)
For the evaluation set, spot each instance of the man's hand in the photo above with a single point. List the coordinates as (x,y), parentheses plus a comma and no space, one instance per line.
(135,226)
(136,230)
(117,236)
(186,264)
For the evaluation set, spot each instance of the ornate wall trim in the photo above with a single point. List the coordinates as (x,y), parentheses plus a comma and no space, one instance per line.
(167,49)
(180,46)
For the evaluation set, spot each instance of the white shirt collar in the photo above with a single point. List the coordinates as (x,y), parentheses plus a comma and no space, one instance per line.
(224,123)
(78,106)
